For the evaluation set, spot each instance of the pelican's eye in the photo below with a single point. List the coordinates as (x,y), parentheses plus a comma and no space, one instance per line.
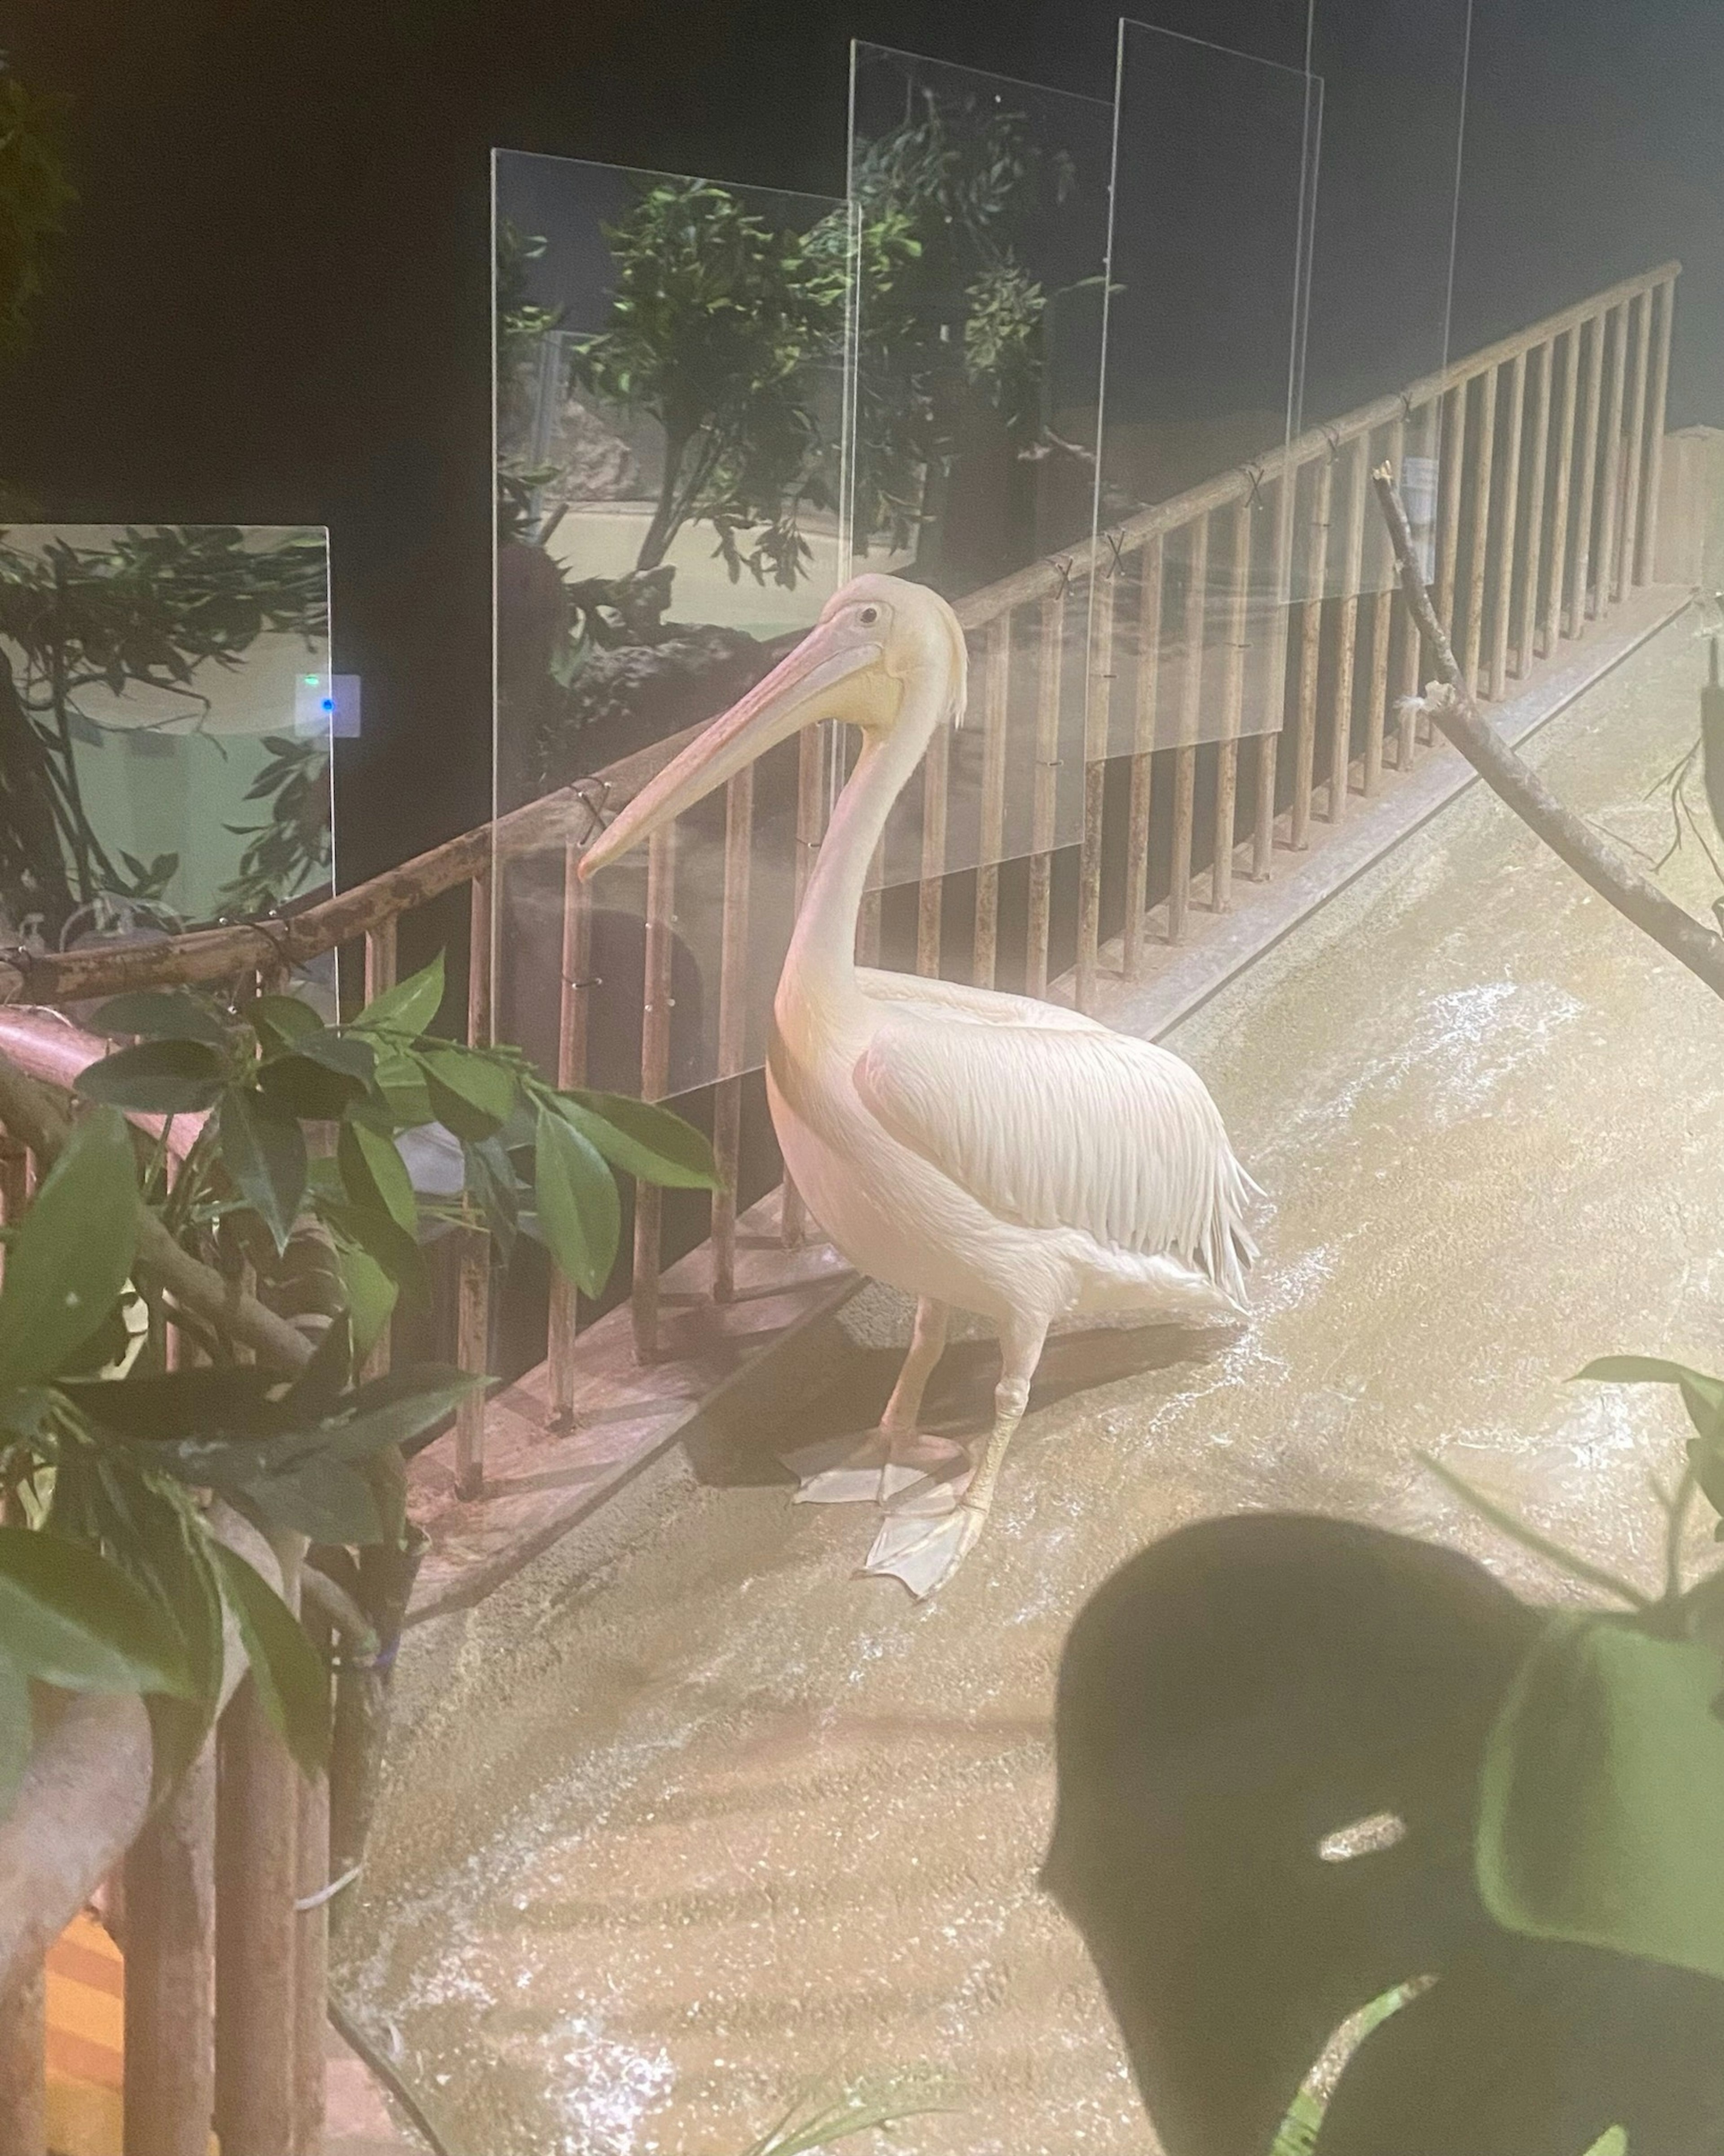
(868,615)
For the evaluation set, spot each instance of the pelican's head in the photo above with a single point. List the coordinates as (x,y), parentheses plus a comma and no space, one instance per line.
(886,656)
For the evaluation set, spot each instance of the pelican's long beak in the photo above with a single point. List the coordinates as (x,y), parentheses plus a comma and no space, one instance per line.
(791,697)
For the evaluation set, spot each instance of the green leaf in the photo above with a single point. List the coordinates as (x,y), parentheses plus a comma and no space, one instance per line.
(398,1410)
(158,1078)
(470,1095)
(326,1377)
(162,1015)
(1601,1816)
(579,1214)
(229,1399)
(644,1141)
(401,1083)
(71,1258)
(280,1021)
(290,1675)
(408,1009)
(348,1058)
(16,1732)
(375,1175)
(492,1182)
(321,1497)
(264,1149)
(70,1618)
(385,1241)
(371,1295)
(304,1086)
(1702,1396)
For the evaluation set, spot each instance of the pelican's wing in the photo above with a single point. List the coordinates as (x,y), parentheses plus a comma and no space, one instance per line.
(1053,1127)
(980,1006)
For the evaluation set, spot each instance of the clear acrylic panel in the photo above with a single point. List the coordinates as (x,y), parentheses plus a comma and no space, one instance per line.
(166,714)
(980,208)
(668,424)
(1211,193)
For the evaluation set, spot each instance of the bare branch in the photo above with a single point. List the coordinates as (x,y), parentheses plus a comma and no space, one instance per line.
(1509,776)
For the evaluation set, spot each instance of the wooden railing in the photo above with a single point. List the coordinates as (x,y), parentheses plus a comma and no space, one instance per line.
(1548,448)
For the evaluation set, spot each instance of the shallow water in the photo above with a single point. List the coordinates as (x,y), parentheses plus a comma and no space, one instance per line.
(682,1824)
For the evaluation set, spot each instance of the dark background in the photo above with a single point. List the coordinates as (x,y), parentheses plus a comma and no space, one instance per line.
(274,304)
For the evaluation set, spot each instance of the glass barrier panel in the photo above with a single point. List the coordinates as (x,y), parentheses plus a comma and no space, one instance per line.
(1210,195)
(980,214)
(166,717)
(668,421)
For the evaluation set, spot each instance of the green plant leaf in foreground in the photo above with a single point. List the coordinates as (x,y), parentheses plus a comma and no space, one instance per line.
(408,1009)
(69,1618)
(646,1141)
(264,1150)
(162,1015)
(70,1261)
(1602,1796)
(158,1078)
(290,1678)
(580,1215)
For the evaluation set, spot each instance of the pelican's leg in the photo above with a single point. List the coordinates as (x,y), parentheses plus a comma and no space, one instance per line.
(850,1471)
(924,1552)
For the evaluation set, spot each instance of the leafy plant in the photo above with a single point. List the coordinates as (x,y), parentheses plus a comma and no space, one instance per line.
(122,1471)
(294,849)
(1601,1818)
(151,611)
(36,195)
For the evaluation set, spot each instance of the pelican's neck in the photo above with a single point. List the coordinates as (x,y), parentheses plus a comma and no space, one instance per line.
(820,971)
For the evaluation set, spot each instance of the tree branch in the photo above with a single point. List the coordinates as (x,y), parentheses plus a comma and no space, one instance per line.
(34,1119)
(1510,777)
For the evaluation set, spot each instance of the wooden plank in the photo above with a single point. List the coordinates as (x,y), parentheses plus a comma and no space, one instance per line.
(472,1354)
(930,887)
(1311,642)
(170,1970)
(1191,703)
(733,999)
(256,1867)
(23,2051)
(1098,705)
(996,672)
(1352,571)
(1580,563)
(1479,563)
(1509,529)
(1148,688)
(574,1021)
(1453,453)
(478,959)
(311,1966)
(1274,688)
(654,1077)
(1555,625)
(1233,713)
(380,960)
(1628,557)
(1610,503)
(1044,797)
(1654,450)
(1527,619)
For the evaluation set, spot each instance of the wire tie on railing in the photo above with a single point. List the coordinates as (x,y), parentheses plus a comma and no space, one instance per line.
(310,1902)
(668,1004)
(1116,540)
(1253,475)
(1063,563)
(1333,440)
(584,981)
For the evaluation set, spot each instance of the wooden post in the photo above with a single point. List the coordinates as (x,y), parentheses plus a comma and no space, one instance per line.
(1098,704)
(23,2081)
(996,666)
(1191,704)
(311,1968)
(1232,711)
(479,960)
(1503,602)
(1627,563)
(931,888)
(1655,449)
(1478,566)
(654,1078)
(573,1018)
(1581,561)
(170,1969)
(732,1026)
(380,960)
(1045,795)
(472,1354)
(1610,508)
(1263,838)
(1555,622)
(1352,566)
(1310,636)
(1149,664)
(257,1865)
(1453,453)
(1525,631)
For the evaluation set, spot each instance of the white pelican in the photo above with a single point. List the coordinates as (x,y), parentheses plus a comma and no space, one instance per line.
(984,1152)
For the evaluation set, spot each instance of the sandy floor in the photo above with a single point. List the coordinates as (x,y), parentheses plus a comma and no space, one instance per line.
(685,1825)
